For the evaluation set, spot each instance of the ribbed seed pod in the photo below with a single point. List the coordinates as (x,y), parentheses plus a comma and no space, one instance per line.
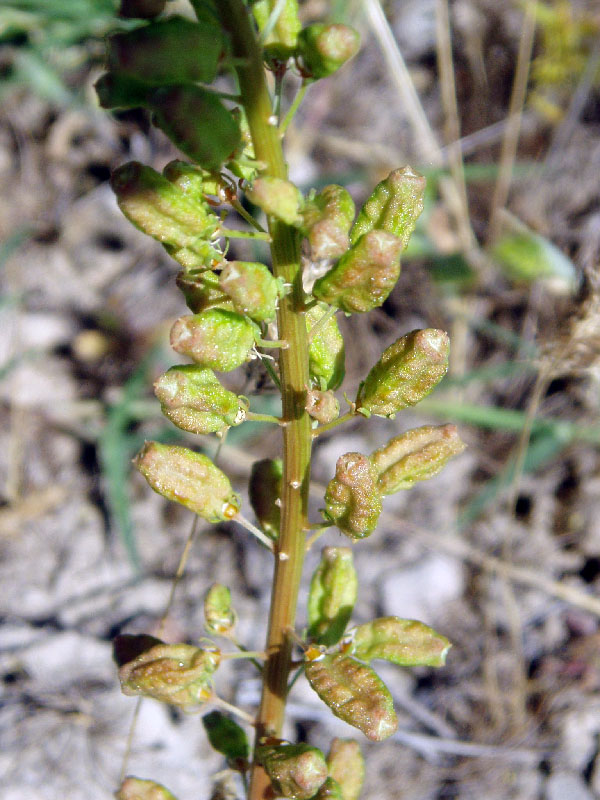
(352,499)
(332,595)
(216,338)
(405,642)
(328,217)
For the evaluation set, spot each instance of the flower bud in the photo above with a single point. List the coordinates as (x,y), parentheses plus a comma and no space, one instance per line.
(323,48)
(253,289)
(141,9)
(179,674)
(364,276)
(216,338)
(405,642)
(278,198)
(322,406)
(347,767)
(394,206)
(183,224)
(194,400)
(139,789)
(281,40)
(202,291)
(406,372)
(326,352)
(170,51)
(416,455)
(355,693)
(197,122)
(352,499)
(188,478)
(295,770)
(327,220)
(219,616)
(265,494)
(332,595)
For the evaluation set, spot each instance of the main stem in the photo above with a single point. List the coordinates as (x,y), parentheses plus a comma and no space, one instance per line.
(293,363)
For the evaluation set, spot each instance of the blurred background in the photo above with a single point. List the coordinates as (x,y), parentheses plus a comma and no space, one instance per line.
(498,105)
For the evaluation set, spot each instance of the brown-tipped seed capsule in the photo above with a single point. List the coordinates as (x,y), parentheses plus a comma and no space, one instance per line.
(194,400)
(326,351)
(333,590)
(323,49)
(265,494)
(416,455)
(278,198)
(394,206)
(405,642)
(364,276)
(322,406)
(219,616)
(355,693)
(347,767)
(281,39)
(202,291)
(188,478)
(170,51)
(327,220)
(406,372)
(352,499)
(139,789)
(253,289)
(179,674)
(296,771)
(216,338)
(183,224)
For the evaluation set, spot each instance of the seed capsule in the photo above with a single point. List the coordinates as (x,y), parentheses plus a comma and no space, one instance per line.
(352,499)
(405,642)
(216,338)
(332,595)
(202,291)
(323,49)
(364,276)
(347,767)
(322,406)
(416,455)
(139,789)
(296,770)
(326,351)
(188,478)
(219,616)
(265,494)
(327,220)
(281,40)
(394,206)
(277,198)
(406,372)
(253,289)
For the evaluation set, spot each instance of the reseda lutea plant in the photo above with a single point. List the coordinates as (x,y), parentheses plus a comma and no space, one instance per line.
(233,143)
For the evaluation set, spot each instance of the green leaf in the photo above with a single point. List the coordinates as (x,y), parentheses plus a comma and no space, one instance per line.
(226,737)
(354,693)
(405,642)
(333,591)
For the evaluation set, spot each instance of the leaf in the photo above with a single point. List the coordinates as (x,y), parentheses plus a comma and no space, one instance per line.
(226,737)
(354,693)
(405,642)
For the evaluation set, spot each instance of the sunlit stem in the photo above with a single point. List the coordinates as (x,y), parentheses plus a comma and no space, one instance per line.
(235,204)
(218,701)
(262,537)
(327,427)
(229,233)
(253,417)
(253,654)
(283,344)
(327,315)
(293,108)
(319,531)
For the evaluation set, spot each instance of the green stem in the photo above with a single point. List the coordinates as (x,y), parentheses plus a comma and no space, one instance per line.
(230,233)
(344,418)
(285,251)
(293,108)
(252,416)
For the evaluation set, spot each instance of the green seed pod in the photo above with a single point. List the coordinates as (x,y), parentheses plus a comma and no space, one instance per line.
(141,9)
(330,790)
(364,276)
(253,289)
(333,590)
(327,220)
(119,91)
(322,406)
(406,372)
(194,400)
(197,122)
(281,40)
(243,163)
(228,738)
(202,291)
(217,339)
(192,180)
(416,455)
(265,494)
(326,352)
(296,770)
(402,641)
(139,789)
(394,206)
(347,767)
(354,693)
(184,225)
(179,674)
(170,51)
(219,616)
(188,478)
(323,48)
(352,499)
(277,198)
